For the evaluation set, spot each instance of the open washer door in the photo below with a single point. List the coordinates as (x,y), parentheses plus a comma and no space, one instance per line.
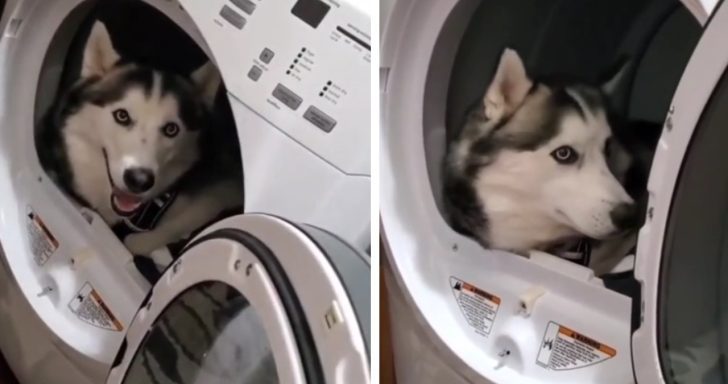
(682,254)
(254,299)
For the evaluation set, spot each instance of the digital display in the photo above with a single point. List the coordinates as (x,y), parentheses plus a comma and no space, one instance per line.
(312,12)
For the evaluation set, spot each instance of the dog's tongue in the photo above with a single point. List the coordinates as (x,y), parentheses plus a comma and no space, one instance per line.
(125,202)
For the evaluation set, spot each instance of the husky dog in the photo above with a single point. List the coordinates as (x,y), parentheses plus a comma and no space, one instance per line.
(129,142)
(534,165)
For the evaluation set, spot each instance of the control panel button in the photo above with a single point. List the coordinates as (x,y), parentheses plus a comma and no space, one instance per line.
(232,17)
(267,55)
(254,73)
(287,97)
(319,119)
(246,5)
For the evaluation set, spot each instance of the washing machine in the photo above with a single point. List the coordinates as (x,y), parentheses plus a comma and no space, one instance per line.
(280,293)
(464,314)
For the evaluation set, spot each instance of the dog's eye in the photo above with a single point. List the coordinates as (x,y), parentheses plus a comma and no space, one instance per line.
(121,116)
(565,155)
(170,129)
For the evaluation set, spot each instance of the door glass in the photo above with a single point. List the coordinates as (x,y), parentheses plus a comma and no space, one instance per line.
(210,334)
(693,329)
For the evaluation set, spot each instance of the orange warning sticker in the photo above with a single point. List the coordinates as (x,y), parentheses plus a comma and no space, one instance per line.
(42,242)
(563,349)
(89,307)
(478,306)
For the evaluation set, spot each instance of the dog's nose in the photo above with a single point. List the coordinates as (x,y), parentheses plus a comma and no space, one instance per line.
(625,216)
(139,180)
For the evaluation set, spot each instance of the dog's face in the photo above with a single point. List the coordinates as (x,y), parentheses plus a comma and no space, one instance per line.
(567,173)
(147,143)
(148,123)
(549,148)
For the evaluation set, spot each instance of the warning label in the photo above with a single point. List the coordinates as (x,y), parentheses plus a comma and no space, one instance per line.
(564,349)
(42,241)
(478,307)
(88,306)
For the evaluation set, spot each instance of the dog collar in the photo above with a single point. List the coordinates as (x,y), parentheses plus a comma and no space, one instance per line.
(147,216)
(579,253)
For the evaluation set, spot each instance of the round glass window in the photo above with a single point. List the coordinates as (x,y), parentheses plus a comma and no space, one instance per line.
(693,329)
(210,334)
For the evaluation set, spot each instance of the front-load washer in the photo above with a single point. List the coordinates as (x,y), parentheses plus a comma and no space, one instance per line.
(278,294)
(464,314)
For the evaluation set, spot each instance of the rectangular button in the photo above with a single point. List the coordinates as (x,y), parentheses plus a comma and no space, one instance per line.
(266,56)
(287,96)
(254,73)
(319,119)
(246,5)
(234,18)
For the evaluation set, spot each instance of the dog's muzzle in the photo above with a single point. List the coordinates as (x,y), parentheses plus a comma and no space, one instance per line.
(123,203)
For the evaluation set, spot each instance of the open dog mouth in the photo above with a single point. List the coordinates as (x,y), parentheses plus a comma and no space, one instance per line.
(122,202)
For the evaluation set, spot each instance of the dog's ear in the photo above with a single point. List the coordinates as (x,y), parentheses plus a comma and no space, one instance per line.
(615,83)
(207,79)
(99,55)
(509,87)
(617,77)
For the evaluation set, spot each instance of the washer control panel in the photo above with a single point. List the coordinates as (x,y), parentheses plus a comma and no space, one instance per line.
(303,65)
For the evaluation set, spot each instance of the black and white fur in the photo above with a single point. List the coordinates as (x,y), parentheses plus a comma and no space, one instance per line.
(534,165)
(125,134)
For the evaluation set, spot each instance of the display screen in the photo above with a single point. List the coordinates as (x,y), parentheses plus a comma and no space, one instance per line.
(312,12)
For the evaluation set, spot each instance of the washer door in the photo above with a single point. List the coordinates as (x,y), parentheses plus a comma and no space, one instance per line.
(254,299)
(682,253)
